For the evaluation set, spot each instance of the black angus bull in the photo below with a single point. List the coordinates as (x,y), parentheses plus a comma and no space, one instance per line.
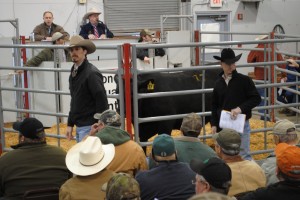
(171,105)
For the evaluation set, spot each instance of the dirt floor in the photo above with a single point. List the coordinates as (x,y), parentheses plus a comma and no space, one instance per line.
(257,139)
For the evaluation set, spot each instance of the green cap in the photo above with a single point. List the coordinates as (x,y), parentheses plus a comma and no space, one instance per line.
(229,140)
(283,127)
(122,186)
(163,145)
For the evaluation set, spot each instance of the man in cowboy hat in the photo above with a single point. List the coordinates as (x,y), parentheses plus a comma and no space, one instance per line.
(48,54)
(45,30)
(33,163)
(88,95)
(95,29)
(259,71)
(88,160)
(236,93)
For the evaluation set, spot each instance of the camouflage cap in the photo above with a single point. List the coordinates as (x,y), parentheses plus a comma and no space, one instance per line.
(122,186)
(109,118)
(191,123)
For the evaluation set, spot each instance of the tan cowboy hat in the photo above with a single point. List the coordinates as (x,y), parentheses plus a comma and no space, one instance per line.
(78,41)
(56,36)
(89,156)
(91,11)
(262,37)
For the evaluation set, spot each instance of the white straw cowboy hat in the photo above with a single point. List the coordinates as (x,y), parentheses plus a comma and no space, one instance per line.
(78,41)
(262,37)
(89,156)
(56,36)
(91,11)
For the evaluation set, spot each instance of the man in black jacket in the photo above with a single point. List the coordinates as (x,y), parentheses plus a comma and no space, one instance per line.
(88,95)
(236,93)
(143,54)
(95,29)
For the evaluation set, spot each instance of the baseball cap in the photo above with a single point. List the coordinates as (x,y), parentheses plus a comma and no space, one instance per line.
(122,186)
(229,140)
(145,32)
(215,171)
(56,36)
(288,159)
(163,145)
(283,127)
(109,118)
(191,123)
(29,128)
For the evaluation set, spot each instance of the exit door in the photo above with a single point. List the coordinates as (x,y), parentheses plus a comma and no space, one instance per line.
(212,22)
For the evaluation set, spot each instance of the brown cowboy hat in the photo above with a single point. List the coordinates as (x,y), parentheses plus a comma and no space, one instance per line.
(228,56)
(91,11)
(78,41)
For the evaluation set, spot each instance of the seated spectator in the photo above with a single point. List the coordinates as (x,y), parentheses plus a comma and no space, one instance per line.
(246,175)
(95,29)
(188,146)
(129,157)
(170,179)
(288,96)
(122,187)
(213,175)
(284,131)
(211,196)
(32,164)
(48,54)
(143,54)
(88,161)
(45,30)
(288,173)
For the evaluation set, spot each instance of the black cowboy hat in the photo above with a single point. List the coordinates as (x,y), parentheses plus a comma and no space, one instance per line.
(228,56)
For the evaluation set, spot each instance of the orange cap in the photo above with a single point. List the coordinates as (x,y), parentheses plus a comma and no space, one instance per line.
(288,159)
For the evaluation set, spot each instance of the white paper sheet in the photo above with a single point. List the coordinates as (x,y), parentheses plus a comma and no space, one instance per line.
(235,124)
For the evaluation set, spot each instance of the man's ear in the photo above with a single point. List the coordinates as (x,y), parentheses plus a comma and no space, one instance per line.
(276,139)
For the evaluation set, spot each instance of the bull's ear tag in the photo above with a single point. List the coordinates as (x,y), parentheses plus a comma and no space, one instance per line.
(150,86)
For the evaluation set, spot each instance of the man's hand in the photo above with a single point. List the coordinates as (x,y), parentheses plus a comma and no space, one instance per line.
(103,36)
(49,38)
(69,133)
(91,36)
(235,112)
(94,129)
(213,129)
(146,60)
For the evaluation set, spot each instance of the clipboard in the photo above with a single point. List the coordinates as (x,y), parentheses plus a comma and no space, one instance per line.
(237,124)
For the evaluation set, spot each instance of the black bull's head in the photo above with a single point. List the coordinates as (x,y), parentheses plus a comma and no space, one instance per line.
(182,104)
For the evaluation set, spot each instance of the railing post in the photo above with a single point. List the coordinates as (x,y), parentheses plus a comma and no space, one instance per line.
(24,57)
(272,114)
(197,54)
(127,77)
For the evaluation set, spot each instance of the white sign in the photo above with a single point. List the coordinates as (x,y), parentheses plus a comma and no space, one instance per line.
(216,3)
